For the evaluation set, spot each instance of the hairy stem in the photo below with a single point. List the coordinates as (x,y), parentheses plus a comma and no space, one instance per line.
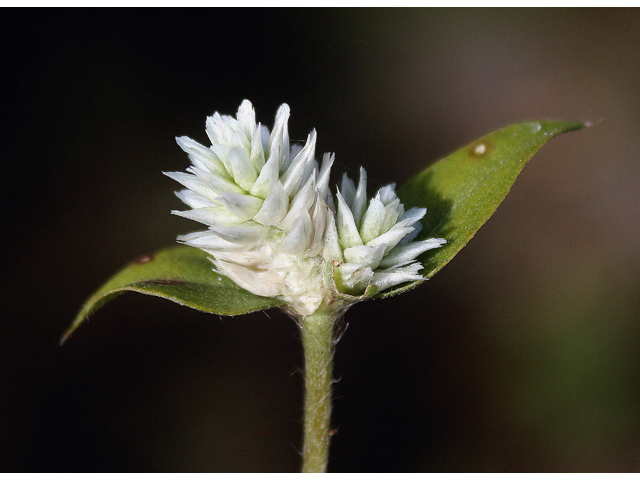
(318,343)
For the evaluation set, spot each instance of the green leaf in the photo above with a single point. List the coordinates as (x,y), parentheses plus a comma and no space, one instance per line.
(181,274)
(461,191)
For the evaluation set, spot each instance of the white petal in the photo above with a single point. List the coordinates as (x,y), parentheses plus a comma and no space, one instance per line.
(230,124)
(242,206)
(386,279)
(217,130)
(199,164)
(372,219)
(193,199)
(213,136)
(214,182)
(242,169)
(285,144)
(209,242)
(360,198)
(348,190)
(391,214)
(403,254)
(201,153)
(221,151)
(211,216)
(279,139)
(312,164)
(295,150)
(347,230)
(247,118)
(274,208)
(300,235)
(240,139)
(388,193)
(264,136)
(365,255)
(257,150)
(411,236)
(255,258)
(309,170)
(263,283)
(319,219)
(391,238)
(248,233)
(355,277)
(302,202)
(322,184)
(331,251)
(294,175)
(266,180)
(194,184)
(412,215)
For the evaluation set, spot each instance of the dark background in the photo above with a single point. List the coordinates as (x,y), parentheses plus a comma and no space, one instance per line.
(522,355)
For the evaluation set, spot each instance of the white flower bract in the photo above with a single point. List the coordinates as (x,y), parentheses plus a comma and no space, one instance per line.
(273,227)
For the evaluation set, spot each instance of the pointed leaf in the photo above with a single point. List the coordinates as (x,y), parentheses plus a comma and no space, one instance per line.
(181,274)
(463,190)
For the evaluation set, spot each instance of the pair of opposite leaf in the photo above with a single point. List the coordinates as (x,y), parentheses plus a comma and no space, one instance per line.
(276,236)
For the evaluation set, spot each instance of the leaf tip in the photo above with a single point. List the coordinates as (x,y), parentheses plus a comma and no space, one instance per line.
(66,335)
(590,123)
(64,338)
(76,323)
(579,125)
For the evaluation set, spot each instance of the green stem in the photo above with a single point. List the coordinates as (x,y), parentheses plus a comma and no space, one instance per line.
(318,342)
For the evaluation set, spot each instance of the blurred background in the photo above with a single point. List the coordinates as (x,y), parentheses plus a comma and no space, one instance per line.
(521,355)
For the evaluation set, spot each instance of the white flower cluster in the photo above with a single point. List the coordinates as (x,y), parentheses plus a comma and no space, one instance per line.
(273,226)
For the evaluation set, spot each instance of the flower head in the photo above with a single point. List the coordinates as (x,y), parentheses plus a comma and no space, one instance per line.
(273,227)
(371,243)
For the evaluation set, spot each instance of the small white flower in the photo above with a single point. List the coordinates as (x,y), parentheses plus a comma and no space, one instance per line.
(372,244)
(272,226)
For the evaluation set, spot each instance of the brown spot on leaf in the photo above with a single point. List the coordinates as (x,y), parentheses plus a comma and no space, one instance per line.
(479,148)
(144,259)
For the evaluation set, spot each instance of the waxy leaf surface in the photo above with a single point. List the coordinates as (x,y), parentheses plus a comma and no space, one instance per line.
(462,190)
(181,274)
